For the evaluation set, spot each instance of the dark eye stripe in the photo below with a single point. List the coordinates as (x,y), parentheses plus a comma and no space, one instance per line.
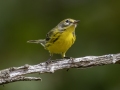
(67,21)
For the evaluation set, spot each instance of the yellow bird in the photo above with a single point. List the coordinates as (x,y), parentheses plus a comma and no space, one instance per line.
(59,39)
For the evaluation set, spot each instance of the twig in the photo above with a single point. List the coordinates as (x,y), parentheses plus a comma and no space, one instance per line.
(16,73)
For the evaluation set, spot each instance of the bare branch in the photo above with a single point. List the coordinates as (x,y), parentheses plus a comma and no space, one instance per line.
(16,73)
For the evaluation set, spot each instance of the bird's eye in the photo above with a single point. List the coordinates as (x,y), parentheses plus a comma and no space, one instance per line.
(67,22)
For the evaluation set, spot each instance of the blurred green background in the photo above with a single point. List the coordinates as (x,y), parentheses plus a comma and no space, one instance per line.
(97,34)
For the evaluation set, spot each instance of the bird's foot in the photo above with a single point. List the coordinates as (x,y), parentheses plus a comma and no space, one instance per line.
(67,57)
(71,59)
(49,61)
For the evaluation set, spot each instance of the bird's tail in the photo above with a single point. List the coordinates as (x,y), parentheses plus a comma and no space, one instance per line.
(40,41)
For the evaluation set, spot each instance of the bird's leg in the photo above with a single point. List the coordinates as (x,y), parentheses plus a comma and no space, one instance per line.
(49,60)
(71,58)
(65,57)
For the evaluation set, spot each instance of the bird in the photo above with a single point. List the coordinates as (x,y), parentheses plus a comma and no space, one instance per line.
(59,39)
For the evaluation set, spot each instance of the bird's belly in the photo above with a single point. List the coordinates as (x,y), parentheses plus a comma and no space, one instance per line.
(62,44)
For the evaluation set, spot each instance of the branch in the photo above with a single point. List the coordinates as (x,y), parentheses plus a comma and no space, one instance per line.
(16,73)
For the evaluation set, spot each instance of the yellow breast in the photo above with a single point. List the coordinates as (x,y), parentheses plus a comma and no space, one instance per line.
(63,43)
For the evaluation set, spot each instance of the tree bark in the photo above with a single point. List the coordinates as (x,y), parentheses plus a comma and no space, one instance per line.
(14,74)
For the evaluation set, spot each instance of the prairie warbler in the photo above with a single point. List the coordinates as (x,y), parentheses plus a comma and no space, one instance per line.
(59,39)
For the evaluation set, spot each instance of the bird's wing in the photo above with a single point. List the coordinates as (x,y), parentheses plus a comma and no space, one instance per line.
(51,34)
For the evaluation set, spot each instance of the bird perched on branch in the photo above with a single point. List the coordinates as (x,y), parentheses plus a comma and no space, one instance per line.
(59,39)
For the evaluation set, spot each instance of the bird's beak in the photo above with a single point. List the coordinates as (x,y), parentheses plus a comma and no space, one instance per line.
(76,21)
